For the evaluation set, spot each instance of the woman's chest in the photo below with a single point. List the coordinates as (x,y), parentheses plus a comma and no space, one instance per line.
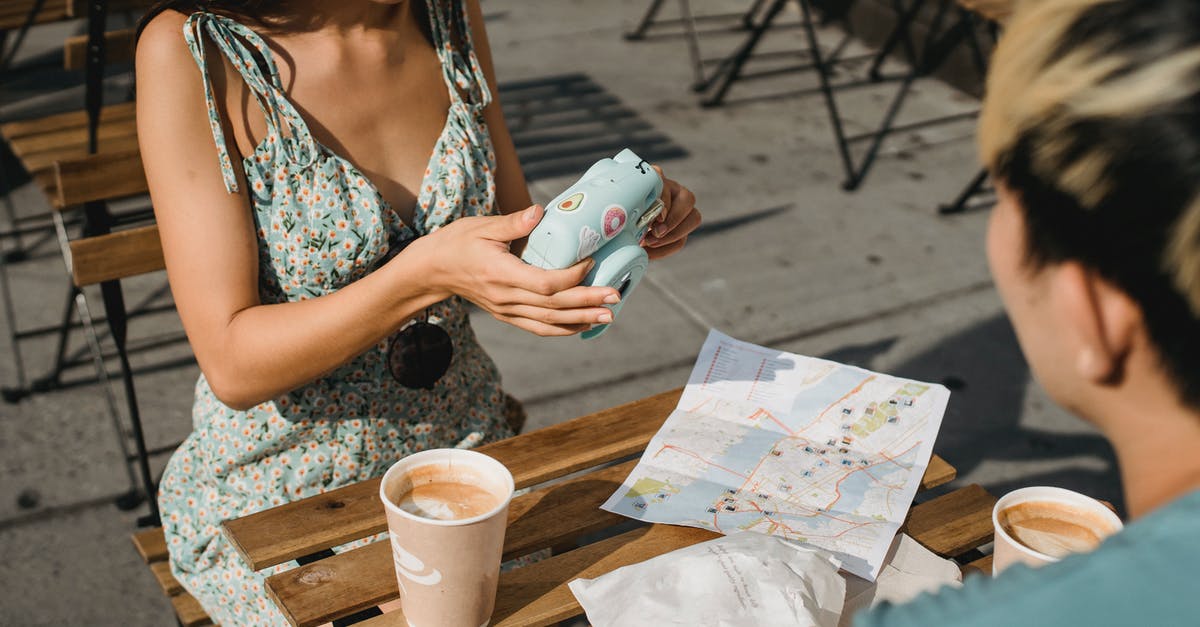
(384,119)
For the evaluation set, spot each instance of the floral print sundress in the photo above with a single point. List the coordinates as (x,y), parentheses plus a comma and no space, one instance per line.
(322,225)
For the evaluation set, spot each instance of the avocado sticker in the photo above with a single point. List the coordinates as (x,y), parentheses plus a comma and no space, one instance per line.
(571,203)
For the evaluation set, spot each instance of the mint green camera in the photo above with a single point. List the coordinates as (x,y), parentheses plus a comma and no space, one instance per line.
(604,216)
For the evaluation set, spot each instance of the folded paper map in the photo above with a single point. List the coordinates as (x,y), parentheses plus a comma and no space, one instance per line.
(807,449)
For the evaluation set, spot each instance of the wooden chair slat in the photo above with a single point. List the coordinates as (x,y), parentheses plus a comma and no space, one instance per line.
(364,577)
(71,119)
(116,256)
(304,527)
(309,525)
(118,48)
(99,177)
(189,611)
(162,574)
(981,566)
(70,138)
(150,544)
(953,523)
(42,163)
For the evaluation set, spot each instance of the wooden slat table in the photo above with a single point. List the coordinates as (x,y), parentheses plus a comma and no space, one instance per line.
(555,515)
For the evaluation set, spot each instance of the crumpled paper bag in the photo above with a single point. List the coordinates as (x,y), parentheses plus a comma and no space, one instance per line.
(908,570)
(741,580)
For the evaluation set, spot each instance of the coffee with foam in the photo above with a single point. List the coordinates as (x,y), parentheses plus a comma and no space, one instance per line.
(445,492)
(445,500)
(1053,528)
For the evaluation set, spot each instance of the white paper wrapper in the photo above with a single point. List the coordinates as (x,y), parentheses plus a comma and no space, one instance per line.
(910,569)
(741,580)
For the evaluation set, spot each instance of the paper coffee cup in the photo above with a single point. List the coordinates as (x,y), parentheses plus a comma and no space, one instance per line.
(447,570)
(1087,517)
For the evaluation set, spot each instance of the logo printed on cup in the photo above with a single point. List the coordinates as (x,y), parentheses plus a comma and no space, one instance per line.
(410,566)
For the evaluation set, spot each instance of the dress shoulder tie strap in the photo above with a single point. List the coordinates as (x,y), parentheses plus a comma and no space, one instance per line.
(246,51)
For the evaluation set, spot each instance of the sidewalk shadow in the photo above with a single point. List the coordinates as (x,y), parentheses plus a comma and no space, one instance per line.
(989,379)
(563,124)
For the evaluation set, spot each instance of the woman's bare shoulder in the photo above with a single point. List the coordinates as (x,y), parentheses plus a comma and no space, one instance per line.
(161,46)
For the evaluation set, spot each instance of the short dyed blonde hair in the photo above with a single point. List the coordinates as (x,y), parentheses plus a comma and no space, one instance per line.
(1092,117)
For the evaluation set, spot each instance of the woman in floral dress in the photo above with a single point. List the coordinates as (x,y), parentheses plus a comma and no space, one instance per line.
(329,177)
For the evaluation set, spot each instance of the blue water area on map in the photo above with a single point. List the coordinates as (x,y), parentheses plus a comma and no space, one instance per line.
(854,487)
(814,400)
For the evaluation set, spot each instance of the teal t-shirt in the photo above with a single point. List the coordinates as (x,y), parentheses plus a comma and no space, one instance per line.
(1145,575)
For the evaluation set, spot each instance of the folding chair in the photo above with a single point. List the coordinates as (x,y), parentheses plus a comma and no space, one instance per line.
(39,142)
(103,257)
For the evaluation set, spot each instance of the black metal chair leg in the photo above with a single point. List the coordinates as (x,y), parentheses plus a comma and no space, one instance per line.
(6,57)
(835,117)
(639,31)
(730,69)
(12,395)
(693,40)
(960,203)
(900,35)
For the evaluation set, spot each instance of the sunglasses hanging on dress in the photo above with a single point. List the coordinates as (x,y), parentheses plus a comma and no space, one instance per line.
(420,354)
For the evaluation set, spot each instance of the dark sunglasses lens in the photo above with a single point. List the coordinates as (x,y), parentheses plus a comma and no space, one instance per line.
(419,355)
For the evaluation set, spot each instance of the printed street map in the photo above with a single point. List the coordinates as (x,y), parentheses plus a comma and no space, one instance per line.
(807,449)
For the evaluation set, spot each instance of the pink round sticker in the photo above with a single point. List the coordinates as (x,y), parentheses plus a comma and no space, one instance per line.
(614,221)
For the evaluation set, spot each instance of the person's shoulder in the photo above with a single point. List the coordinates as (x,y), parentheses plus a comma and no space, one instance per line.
(1139,576)
(161,45)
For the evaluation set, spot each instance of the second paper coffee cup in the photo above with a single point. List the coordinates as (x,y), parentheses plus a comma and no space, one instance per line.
(1041,525)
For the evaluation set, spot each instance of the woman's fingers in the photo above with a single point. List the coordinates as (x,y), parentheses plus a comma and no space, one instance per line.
(668,195)
(541,328)
(682,206)
(545,282)
(682,230)
(666,251)
(559,317)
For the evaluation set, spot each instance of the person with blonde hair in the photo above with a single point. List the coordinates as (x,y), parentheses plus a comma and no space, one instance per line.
(1091,130)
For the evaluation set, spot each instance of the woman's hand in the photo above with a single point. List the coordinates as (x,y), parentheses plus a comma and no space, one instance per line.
(678,219)
(470,257)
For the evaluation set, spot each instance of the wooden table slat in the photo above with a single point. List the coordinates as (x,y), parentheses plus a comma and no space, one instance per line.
(309,525)
(953,523)
(364,577)
(981,566)
(304,527)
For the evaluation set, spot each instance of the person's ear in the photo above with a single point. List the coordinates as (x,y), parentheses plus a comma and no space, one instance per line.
(1101,321)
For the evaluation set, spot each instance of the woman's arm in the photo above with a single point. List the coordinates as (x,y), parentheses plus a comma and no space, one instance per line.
(251,352)
(248,351)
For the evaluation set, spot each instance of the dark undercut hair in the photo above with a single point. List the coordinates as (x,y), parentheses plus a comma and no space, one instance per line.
(1092,118)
